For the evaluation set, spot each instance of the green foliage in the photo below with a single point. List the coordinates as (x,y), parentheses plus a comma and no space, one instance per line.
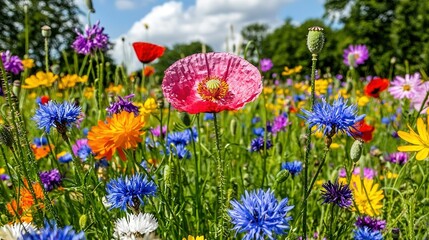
(61,16)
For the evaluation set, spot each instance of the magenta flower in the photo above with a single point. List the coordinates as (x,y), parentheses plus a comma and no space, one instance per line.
(11,63)
(92,39)
(266,64)
(157,130)
(405,87)
(355,55)
(211,82)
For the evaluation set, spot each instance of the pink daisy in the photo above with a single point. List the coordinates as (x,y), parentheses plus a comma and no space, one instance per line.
(405,87)
(355,55)
(211,82)
(419,97)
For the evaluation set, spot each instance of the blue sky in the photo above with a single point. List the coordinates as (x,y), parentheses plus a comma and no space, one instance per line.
(208,21)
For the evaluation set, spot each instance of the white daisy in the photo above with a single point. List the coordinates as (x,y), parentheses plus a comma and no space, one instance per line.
(135,226)
(14,231)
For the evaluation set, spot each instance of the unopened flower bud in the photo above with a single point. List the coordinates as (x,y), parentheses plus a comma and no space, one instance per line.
(356,150)
(282,176)
(46,31)
(6,136)
(186,119)
(90,6)
(233,127)
(315,40)
(82,221)
(16,87)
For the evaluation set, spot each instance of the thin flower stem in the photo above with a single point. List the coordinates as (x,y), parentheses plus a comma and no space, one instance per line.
(220,181)
(46,55)
(197,177)
(319,169)
(308,148)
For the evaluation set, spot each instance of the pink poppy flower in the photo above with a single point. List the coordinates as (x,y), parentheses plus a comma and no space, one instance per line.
(211,82)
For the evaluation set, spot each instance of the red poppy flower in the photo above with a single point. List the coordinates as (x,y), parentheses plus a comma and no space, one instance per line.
(376,86)
(44,99)
(363,131)
(147,52)
(211,82)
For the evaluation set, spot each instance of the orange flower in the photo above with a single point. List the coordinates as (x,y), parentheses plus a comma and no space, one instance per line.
(26,202)
(148,71)
(122,131)
(41,151)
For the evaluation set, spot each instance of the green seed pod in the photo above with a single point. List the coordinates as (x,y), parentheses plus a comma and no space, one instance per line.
(82,221)
(167,176)
(315,40)
(46,31)
(282,176)
(6,136)
(356,150)
(90,6)
(16,87)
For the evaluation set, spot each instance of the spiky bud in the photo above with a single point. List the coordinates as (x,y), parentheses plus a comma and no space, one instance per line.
(6,136)
(315,39)
(356,150)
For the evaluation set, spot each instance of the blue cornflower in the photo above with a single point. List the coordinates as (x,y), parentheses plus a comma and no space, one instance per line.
(51,231)
(365,233)
(259,131)
(257,144)
(123,192)
(208,116)
(293,168)
(180,151)
(183,137)
(40,141)
(337,193)
(64,157)
(259,215)
(338,117)
(123,104)
(58,115)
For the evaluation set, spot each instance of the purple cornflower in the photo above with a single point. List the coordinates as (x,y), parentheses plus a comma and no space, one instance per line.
(11,63)
(157,130)
(405,87)
(81,149)
(338,117)
(50,179)
(372,223)
(266,64)
(398,157)
(337,193)
(92,39)
(280,123)
(123,105)
(355,55)
(258,144)
(368,173)
(260,215)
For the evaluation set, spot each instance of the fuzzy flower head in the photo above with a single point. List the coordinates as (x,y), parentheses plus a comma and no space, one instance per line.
(211,82)
(50,179)
(120,132)
(132,226)
(123,104)
(355,55)
(91,40)
(338,117)
(405,87)
(127,191)
(266,64)
(11,63)
(294,168)
(52,231)
(365,233)
(419,141)
(260,215)
(337,193)
(58,115)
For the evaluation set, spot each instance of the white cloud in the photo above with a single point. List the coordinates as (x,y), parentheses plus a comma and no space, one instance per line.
(125,4)
(208,21)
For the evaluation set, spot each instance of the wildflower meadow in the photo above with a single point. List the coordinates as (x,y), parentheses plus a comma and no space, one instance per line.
(218,145)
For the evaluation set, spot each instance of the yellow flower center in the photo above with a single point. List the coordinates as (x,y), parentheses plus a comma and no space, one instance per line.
(212,89)
(406,87)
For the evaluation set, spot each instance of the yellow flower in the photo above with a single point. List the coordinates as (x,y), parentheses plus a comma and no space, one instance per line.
(149,106)
(334,146)
(366,195)
(88,92)
(28,63)
(40,79)
(69,81)
(2,170)
(390,175)
(114,89)
(362,101)
(420,141)
(194,238)
(268,90)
